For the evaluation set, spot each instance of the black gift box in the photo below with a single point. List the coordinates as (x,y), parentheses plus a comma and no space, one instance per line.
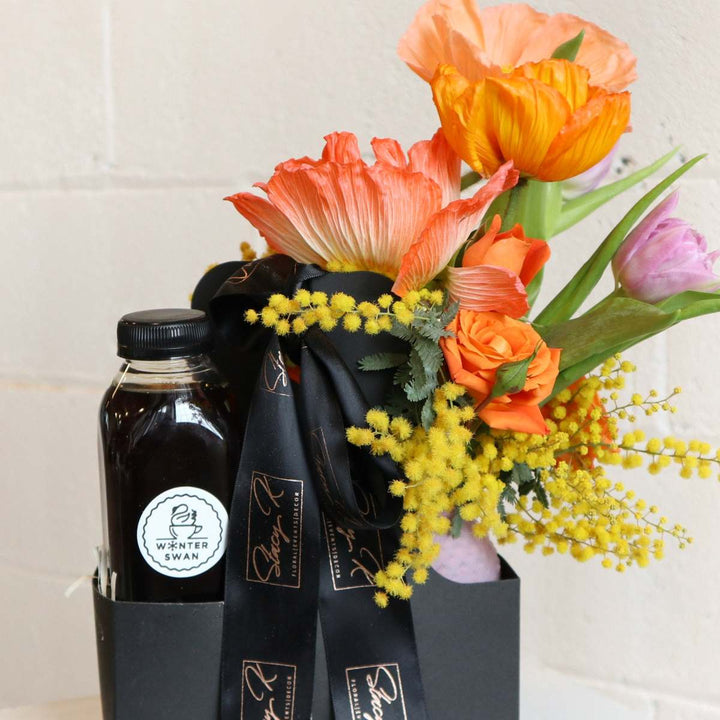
(161,661)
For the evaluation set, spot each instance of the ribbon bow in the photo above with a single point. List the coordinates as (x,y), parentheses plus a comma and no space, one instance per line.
(311,520)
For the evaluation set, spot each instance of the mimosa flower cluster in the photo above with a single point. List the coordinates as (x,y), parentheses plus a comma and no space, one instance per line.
(564,503)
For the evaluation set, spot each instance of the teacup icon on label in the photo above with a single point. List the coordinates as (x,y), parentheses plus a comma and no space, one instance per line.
(183,522)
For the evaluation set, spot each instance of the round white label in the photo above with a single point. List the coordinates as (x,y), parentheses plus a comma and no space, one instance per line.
(182,532)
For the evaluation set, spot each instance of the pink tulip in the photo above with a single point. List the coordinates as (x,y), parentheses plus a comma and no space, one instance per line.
(664,256)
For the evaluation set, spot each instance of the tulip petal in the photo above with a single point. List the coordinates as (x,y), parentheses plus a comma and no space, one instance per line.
(590,134)
(447,230)
(644,229)
(279,233)
(389,151)
(487,288)
(438,161)
(464,115)
(526,116)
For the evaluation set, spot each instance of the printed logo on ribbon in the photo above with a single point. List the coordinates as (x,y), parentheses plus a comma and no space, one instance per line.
(375,691)
(323,468)
(182,532)
(275,530)
(268,691)
(275,375)
(355,555)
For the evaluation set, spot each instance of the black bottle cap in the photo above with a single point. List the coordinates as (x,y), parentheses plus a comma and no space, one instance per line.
(163,334)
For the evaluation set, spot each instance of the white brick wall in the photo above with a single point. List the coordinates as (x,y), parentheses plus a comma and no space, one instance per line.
(123,126)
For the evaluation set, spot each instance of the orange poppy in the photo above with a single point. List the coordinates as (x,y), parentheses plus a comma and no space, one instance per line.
(488,42)
(543,116)
(343,213)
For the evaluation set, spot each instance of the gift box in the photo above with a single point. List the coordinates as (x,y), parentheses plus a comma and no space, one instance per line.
(162,660)
(310,525)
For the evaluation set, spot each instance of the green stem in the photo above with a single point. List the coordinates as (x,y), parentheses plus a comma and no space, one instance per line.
(469,179)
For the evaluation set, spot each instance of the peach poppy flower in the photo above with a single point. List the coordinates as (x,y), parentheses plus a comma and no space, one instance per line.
(480,344)
(509,253)
(488,42)
(544,116)
(339,212)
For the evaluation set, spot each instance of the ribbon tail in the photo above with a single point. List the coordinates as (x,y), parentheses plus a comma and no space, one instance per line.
(271,586)
(373,666)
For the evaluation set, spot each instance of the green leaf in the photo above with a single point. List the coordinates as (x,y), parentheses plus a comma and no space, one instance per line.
(573,211)
(691,303)
(570,298)
(427,416)
(402,375)
(448,315)
(511,377)
(569,50)
(456,527)
(422,382)
(533,287)
(430,354)
(541,494)
(507,496)
(403,332)
(523,477)
(613,322)
(382,361)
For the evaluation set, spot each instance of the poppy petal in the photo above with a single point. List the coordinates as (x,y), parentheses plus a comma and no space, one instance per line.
(389,151)
(464,115)
(341,147)
(446,230)
(363,217)
(487,288)
(438,161)
(526,116)
(590,134)
(279,233)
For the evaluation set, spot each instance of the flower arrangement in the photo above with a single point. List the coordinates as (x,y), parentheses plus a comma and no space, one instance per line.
(502,417)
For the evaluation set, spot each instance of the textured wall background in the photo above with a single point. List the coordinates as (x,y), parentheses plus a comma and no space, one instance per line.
(123,126)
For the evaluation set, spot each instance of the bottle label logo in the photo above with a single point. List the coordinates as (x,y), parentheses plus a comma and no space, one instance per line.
(183,532)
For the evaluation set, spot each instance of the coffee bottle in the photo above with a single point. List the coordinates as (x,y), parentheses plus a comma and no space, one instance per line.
(168,457)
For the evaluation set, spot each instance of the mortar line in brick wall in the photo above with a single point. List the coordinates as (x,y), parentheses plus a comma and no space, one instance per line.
(64,579)
(109,88)
(112,180)
(644,691)
(110,183)
(9,381)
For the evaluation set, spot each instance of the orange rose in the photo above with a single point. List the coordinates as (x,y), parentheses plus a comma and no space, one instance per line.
(481,343)
(509,256)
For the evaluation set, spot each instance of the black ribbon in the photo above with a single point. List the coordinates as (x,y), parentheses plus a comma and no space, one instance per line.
(311,520)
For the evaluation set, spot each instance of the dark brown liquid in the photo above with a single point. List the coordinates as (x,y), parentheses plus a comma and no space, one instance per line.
(153,441)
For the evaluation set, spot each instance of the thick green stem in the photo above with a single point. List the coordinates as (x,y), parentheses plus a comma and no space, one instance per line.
(469,179)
